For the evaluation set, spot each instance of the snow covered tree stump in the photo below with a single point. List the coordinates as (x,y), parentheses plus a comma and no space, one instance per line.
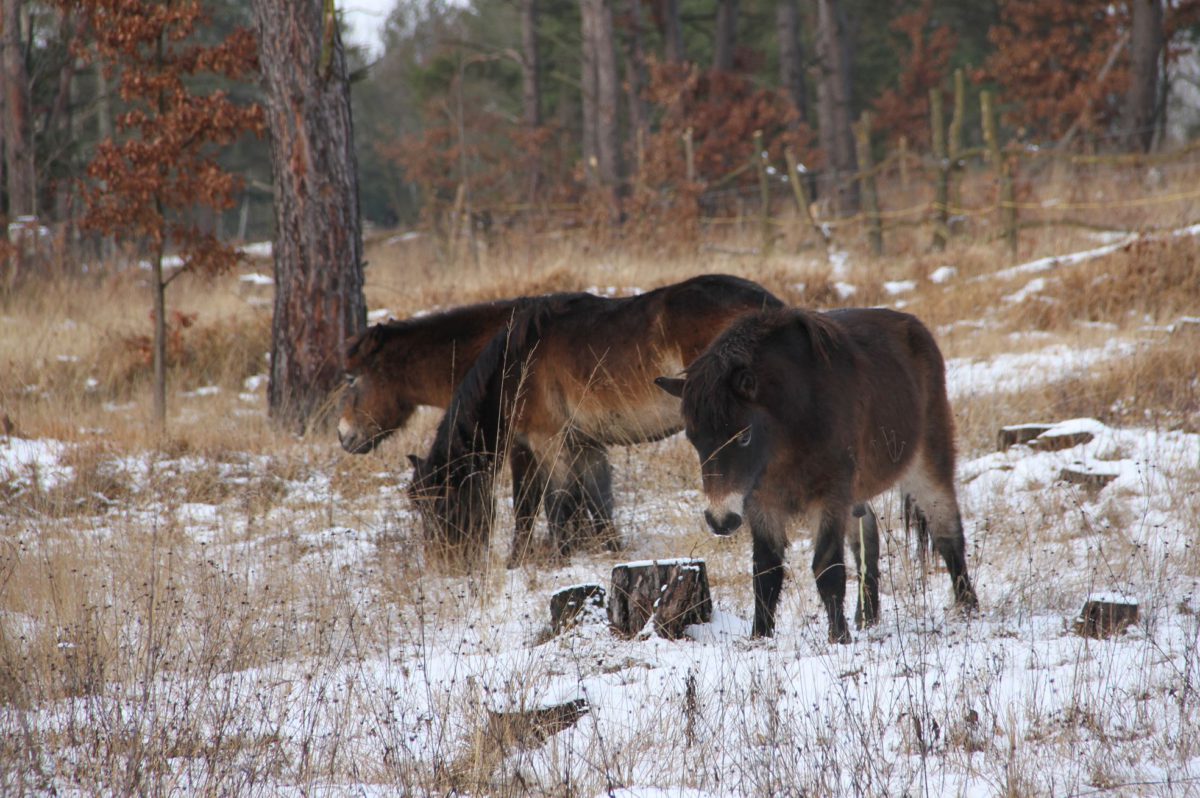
(1095,475)
(569,604)
(1018,433)
(1106,615)
(672,593)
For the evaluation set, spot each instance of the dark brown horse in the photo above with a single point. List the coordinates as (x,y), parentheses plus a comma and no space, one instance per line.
(793,413)
(573,375)
(393,368)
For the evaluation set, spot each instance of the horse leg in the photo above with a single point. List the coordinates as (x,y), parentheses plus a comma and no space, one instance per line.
(528,486)
(914,517)
(769,546)
(594,473)
(864,542)
(936,500)
(829,568)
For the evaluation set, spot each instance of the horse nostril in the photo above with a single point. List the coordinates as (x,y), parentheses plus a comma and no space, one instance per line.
(724,526)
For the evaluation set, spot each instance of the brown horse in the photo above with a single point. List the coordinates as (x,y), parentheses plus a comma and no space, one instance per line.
(572,376)
(794,412)
(393,368)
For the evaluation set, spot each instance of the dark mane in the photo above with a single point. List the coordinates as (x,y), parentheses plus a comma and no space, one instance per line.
(707,393)
(475,422)
(377,336)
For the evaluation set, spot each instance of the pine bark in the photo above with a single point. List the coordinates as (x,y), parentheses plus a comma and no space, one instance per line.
(791,57)
(725,37)
(672,30)
(319,301)
(18,142)
(1141,99)
(589,92)
(834,105)
(531,84)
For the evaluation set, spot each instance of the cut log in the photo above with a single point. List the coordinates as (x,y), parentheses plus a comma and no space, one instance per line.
(1051,442)
(1089,476)
(674,593)
(1019,433)
(1105,616)
(572,604)
(530,728)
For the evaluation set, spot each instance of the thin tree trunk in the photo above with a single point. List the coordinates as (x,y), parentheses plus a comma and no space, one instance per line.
(1145,44)
(589,92)
(531,86)
(636,78)
(598,29)
(834,105)
(17,133)
(725,35)
(319,301)
(672,30)
(791,57)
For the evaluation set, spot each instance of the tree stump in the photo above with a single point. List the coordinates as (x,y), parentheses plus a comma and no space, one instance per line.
(672,593)
(1089,476)
(572,604)
(1106,615)
(1018,433)
(1054,442)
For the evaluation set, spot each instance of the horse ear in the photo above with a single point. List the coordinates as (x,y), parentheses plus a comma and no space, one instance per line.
(745,384)
(415,460)
(672,385)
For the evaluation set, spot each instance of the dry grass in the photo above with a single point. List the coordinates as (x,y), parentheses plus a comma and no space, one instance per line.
(233,609)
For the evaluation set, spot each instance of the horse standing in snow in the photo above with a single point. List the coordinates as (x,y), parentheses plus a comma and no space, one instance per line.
(801,413)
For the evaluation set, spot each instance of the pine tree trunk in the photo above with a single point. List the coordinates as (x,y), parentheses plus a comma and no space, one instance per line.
(834,106)
(1145,44)
(531,84)
(725,35)
(17,136)
(608,99)
(672,31)
(319,301)
(791,57)
(589,93)
(635,76)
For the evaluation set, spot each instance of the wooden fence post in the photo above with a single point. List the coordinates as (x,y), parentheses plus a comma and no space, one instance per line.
(689,155)
(941,188)
(764,193)
(866,182)
(1005,202)
(954,146)
(800,194)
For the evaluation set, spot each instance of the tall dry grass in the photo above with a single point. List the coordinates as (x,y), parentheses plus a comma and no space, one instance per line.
(220,611)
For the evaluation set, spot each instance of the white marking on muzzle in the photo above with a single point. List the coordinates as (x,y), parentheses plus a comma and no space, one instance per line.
(345,429)
(729,504)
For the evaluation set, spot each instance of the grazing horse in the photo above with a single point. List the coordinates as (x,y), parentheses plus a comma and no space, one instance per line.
(794,412)
(573,375)
(394,367)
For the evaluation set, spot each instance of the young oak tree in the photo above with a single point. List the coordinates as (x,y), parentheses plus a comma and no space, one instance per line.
(148,181)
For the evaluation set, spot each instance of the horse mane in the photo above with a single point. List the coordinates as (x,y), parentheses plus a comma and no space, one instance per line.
(476,421)
(707,393)
(380,335)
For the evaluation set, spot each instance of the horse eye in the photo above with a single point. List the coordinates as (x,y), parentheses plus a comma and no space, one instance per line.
(350,379)
(744,438)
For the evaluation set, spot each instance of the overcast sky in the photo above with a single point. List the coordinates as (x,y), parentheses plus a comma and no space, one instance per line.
(365,19)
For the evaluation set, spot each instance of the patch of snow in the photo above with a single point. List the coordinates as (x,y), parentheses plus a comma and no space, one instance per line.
(943,274)
(259,249)
(26,462)
(379,316)
(255,382)
(899,286)
(1035,286)
(845,290)
(206,390)
(839,262)
(254,278)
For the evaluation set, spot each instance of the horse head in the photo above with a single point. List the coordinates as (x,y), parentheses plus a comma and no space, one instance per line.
(371,409)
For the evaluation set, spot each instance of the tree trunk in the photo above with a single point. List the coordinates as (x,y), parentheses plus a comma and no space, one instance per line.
(598,38)
(17,136)
(834,105)
(672,30)
(791,57)
(319,301)
(635,75)
(725,35)
(1141,99)
(589,94)
(531,86)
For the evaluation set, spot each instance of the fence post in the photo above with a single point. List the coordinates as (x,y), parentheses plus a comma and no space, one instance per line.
(954,146)
(764,193)
(1005,202)
(689,155)
(866,182)
(941,188)
(800,194)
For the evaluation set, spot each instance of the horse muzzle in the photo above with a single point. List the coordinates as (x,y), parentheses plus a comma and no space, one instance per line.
(353,441)
(724,524)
